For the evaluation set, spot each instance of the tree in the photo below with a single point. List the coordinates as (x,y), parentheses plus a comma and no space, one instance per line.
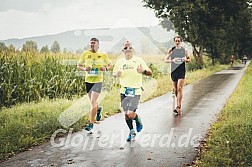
(204,23)
(11,48)
(242,24)
(188,18)
(44,49)
(65,50)
(55,48)
(234,27)
(30,46)
(167,24)
(3,47)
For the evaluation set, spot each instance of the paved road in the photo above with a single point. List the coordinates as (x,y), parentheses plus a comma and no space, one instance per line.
(166,140)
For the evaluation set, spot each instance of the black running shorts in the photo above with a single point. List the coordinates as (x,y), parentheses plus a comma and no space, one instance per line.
(176,76)
(96,87)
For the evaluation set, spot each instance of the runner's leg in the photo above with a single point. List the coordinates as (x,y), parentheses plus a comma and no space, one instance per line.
(180,92)
(175,87)
(94,105)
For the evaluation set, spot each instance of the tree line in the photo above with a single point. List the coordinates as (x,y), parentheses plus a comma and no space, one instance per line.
(218,28)
(31,47)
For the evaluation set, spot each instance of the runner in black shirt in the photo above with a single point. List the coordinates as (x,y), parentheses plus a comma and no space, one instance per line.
(177,56)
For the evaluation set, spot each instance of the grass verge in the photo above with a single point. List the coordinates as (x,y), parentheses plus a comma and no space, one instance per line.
(229,141)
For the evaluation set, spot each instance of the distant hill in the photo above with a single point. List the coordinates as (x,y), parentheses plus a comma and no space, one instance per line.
(144,39)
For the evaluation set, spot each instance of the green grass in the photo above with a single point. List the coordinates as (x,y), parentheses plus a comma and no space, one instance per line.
(30,124)
(230,138)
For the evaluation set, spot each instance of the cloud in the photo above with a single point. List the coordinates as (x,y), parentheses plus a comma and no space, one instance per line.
(29,5)
(28,18)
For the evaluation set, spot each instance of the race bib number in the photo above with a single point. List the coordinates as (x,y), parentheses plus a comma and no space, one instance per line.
(130,92)
(179,61)
(93,72)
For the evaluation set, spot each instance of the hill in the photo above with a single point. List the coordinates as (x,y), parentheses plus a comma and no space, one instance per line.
(144,39)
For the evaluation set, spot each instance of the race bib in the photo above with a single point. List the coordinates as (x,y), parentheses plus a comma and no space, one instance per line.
(93,72)
(179,61)
(130,92)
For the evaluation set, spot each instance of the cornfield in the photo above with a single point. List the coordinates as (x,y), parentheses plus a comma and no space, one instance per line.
(30,77)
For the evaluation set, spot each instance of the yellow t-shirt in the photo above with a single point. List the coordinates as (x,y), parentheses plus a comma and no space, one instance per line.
(130,77)
(94,60)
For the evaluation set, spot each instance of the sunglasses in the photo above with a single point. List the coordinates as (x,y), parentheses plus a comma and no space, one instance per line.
(127,48)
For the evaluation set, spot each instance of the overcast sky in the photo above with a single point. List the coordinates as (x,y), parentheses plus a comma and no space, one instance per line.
(27,18)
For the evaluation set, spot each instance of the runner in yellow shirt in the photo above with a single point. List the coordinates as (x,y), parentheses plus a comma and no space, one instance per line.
(94,63)
(130,70)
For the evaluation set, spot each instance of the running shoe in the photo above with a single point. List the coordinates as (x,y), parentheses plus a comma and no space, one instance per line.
(98,115)
(139,125)
(89,128)
(177,110)
(132,135)
(173,93)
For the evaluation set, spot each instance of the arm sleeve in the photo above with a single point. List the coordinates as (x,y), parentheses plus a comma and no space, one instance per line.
(82,60)
(116,66)
(106,59)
